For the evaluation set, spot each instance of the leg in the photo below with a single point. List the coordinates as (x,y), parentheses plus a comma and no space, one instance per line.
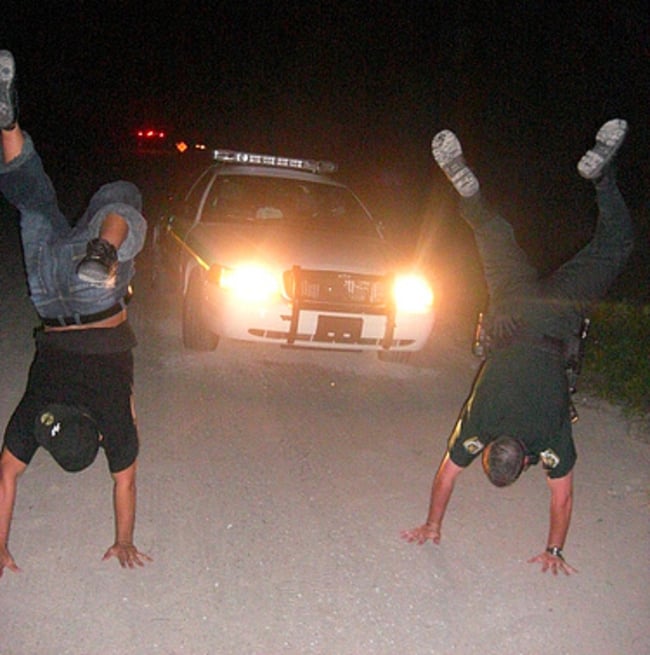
(52,249)
(589,274)
(114,217)
(507,270)
(26,186)
(111,232)
(23,181)
(99,266)
(506,267)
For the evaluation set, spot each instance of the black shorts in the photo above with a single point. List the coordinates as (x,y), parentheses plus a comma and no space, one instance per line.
(100,383)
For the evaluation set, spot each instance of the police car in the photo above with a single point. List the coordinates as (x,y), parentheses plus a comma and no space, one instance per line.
(273,249)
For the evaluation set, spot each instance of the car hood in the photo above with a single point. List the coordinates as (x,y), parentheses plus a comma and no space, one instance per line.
(281,248)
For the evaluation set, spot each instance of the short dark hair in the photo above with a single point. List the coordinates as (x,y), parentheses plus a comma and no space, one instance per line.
(503,460)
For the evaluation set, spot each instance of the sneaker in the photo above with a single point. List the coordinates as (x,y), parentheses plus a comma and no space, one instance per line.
(8,103)
(609,139)
(448,153)
(99,266)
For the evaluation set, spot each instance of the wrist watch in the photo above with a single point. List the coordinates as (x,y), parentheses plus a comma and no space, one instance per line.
(556,551)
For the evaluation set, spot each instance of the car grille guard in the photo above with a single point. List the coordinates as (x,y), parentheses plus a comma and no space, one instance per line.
(336,291)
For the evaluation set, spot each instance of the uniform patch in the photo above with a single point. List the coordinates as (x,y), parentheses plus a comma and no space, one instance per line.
(473,445)
(549,458)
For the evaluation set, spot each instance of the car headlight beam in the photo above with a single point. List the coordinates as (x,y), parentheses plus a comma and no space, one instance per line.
(412,294)
(250,282)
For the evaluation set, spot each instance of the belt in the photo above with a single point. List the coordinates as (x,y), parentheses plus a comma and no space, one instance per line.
(551,344)
(83,319)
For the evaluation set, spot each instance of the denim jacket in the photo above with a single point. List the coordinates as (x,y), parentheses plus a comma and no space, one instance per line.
(52,249)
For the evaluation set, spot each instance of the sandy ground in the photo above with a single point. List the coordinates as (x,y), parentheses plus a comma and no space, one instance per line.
(272,489)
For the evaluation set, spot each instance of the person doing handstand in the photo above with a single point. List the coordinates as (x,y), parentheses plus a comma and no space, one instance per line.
(519,410)
(79,394)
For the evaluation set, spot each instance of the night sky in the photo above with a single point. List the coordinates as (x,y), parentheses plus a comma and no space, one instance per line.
(366,84)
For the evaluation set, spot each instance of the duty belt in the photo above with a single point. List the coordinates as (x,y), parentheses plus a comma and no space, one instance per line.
(83,319)
(552,344)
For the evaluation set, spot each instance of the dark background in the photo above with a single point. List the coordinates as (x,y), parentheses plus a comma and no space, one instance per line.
(366,84)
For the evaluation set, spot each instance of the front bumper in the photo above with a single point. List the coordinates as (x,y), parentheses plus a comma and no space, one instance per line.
(303,325)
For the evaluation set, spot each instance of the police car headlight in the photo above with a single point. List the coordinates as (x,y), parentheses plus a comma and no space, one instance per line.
(412,294)
(250,282)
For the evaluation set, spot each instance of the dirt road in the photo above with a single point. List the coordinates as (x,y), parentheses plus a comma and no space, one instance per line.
(272,489)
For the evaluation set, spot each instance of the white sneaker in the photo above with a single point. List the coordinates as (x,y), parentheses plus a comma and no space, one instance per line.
(609,139)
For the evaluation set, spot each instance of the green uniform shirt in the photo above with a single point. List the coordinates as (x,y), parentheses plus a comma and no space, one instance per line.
(521,391)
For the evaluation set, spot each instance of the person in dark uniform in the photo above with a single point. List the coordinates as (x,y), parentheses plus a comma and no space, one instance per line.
(79,395)
(519,410)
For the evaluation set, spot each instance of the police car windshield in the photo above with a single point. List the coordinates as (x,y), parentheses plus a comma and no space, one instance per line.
(295,203)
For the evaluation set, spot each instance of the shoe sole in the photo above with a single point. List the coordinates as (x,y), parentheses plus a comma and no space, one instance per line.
(7,74)
(609,139)
(97,279)
(96,276)
(447,152)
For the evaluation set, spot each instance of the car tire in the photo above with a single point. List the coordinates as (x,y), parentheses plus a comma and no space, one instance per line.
(393,357)
(196,336)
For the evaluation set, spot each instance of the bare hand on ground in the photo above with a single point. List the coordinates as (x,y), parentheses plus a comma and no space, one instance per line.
(127,554)
(7,561)
(422,534)
(552,563)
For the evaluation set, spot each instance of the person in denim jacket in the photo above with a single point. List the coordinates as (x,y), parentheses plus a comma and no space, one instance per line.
(79,395)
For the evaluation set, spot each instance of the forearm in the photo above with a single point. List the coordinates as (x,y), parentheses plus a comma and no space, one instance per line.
(560,511)
(114,230)
(12,143)
(441,490)
(7,501)
(124,504)
(10,470)
(124,494)
(559,524)
(440,494)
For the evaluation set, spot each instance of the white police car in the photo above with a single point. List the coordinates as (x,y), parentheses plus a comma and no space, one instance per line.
(272,249)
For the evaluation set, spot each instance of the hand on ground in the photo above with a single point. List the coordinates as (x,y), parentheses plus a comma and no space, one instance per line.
(422,534)
(127,554)
(7,561)
(552,563)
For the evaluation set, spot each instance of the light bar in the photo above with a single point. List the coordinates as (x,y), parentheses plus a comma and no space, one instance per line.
(312,165)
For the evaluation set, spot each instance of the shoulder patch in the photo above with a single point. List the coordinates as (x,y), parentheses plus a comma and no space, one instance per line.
(473,445)
(549,458)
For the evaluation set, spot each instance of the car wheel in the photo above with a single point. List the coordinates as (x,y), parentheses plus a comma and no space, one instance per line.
(196,336)
(393,357)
